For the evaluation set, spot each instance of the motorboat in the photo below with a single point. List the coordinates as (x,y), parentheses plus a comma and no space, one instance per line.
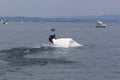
(64,42)
(100,24)
(3,22)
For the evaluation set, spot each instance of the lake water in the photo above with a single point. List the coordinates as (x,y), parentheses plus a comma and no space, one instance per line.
(26,55)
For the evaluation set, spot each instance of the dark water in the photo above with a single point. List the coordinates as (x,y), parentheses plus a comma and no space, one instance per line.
(26,55)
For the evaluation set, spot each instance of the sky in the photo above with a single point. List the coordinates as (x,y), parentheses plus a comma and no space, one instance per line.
(58,8)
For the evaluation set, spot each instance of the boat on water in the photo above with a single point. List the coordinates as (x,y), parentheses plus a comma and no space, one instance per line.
(3,22)
(100,24)
(63,42)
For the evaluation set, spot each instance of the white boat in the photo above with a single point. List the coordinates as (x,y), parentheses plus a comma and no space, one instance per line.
(65,42)
(3,22)
(100,24)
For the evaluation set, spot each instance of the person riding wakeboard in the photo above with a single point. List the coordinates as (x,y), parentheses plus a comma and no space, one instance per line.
(51,37)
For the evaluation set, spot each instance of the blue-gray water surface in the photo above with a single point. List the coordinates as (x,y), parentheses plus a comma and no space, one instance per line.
(26,55)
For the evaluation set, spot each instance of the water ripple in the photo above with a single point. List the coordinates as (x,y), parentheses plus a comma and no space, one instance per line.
(15,57)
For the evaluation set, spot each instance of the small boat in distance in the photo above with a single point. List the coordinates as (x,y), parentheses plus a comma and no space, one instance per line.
(3,22)
(100,24)
(53,29)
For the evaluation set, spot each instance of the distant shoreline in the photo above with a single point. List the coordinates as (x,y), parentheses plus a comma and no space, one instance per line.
(105,18)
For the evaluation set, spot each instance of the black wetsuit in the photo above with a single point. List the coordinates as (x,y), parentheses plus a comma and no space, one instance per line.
(51,37)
